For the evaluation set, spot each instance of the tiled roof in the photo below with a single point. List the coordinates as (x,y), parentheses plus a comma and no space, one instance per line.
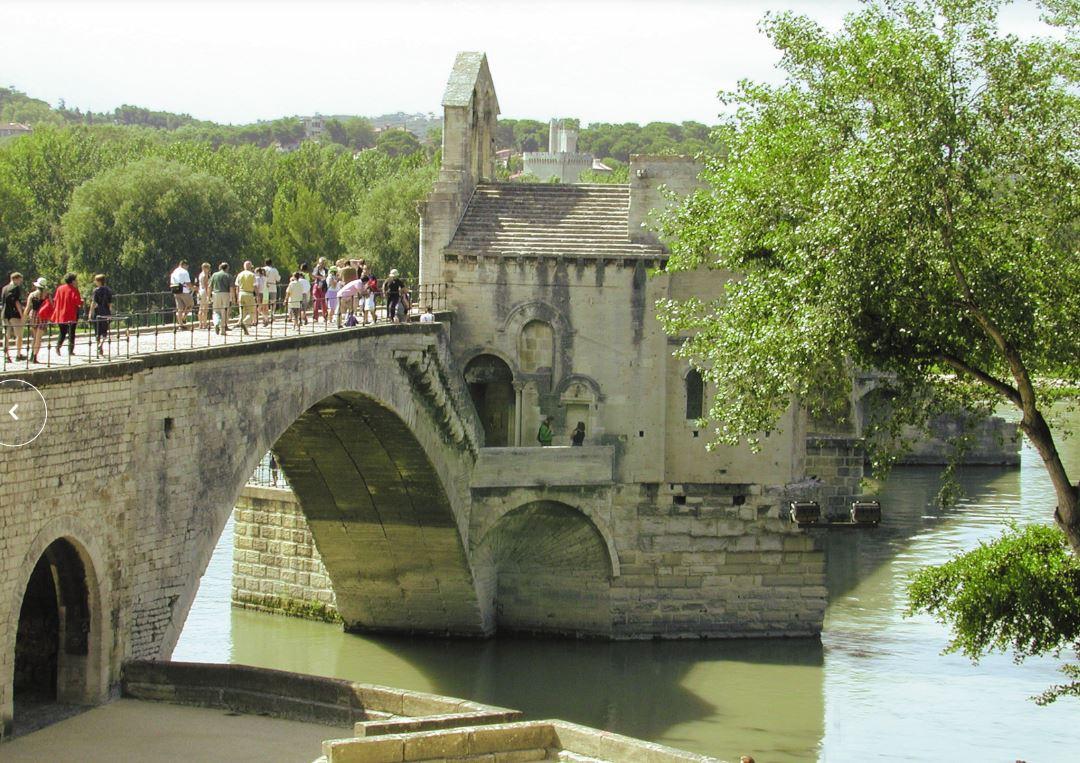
(539,219)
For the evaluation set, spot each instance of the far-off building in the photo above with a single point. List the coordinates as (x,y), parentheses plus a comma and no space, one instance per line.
(562,160)
(553,291)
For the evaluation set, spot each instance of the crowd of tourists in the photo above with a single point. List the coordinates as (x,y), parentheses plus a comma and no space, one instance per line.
(346,293)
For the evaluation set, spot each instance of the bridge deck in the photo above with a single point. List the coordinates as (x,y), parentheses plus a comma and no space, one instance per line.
(125,345)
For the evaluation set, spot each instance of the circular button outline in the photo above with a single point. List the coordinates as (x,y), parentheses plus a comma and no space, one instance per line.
(44,406)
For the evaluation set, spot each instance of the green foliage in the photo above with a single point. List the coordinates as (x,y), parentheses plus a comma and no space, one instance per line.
(906,201)
(620,174)
(16,106)
(612,141)
(135,222)
(355,133)
(1019,593)
(913,182)
(395,143)
(386,227)
(304,228)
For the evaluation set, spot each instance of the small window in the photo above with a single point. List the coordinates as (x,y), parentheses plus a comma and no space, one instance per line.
(695,395)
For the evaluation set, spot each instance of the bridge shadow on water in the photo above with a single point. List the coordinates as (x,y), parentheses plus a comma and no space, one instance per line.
(711,696)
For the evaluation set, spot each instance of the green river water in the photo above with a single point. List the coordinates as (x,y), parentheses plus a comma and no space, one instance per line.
(875,687)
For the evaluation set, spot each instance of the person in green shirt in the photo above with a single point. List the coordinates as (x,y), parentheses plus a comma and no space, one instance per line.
(545,435)
(221,284)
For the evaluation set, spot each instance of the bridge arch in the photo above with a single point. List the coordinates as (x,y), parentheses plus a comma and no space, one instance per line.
(378,444)
(548,569)
(380,517)
(59,648)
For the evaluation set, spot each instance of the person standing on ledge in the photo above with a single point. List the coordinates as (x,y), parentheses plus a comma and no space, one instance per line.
(578,437)
(544,435)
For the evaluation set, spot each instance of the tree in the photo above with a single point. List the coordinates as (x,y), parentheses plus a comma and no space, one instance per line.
(397,143)
(135,222)
(304,228)
(905,201)
(1020,593)
(386,229)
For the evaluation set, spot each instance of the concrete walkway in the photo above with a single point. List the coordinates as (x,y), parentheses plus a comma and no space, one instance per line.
(130,730)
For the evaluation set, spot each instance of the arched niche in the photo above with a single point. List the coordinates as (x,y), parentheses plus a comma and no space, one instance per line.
(536,347)
(579,400)
(491,387)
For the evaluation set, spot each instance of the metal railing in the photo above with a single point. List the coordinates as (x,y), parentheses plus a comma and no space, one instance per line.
(268,474)
(124,335)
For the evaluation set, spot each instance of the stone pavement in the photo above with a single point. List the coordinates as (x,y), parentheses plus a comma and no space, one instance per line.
(128,729)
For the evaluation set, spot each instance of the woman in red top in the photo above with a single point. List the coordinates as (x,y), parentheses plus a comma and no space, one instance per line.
(66,304)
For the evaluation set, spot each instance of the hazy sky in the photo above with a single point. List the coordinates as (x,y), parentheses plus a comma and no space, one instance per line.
(243,60)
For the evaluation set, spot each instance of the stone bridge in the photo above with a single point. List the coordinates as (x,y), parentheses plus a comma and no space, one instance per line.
(108,519)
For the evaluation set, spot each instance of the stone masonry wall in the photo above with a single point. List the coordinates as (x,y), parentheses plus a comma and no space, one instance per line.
(276,566)
(837,461)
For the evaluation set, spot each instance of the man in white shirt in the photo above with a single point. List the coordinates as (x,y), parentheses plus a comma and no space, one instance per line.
(180,286)
(273,278)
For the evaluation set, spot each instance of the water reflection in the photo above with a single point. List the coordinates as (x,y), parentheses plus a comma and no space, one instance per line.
(717,695)
(875,687)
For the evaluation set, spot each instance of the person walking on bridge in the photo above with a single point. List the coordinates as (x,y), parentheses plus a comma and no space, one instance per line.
(221,292)
(204,295)
(101,300)
(66,304)
(180,286)
(245,292)
(12,296)
(37,313)
(273,278)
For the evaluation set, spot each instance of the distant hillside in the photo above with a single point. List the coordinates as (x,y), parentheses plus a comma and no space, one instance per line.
(612,143)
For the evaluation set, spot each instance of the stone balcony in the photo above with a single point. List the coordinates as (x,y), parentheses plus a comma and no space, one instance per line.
(554,466)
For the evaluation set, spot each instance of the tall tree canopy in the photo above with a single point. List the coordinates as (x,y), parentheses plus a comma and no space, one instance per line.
(906,200)
(135,222)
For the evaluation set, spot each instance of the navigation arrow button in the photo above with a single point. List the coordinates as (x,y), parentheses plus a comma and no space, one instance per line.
(12,412)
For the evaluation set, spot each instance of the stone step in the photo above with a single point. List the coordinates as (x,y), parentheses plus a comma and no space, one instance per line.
(525,229)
